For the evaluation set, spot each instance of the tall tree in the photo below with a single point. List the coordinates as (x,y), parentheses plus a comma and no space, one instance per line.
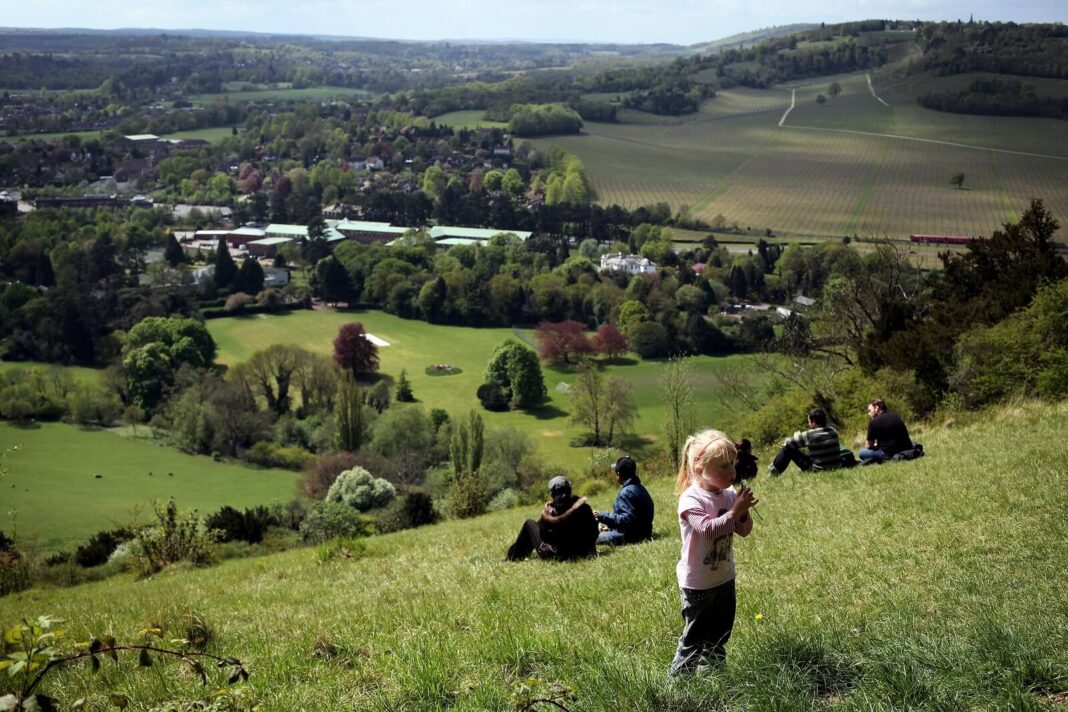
(676,393)
(587,401)
(173,253)
(249,279)
(353,351)
(225,269)
(467,491)
(349,422)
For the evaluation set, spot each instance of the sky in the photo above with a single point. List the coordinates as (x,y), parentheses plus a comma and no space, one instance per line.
(622,21)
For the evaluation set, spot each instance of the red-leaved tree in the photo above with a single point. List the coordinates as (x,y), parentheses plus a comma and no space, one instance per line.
(354,351)
(563,341)
(610,341)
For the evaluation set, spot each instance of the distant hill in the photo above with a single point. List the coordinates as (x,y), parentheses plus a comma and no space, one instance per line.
(750,38)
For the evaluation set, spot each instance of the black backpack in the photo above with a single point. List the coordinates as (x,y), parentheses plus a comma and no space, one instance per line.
(912,454)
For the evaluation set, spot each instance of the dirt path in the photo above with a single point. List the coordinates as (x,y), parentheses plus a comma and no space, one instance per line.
(793,103)
(931,140)
(871,88)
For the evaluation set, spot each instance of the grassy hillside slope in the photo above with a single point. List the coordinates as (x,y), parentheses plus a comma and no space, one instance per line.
(932,584)
(54,498)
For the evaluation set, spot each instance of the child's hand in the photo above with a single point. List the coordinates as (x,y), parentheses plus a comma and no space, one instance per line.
(744,501)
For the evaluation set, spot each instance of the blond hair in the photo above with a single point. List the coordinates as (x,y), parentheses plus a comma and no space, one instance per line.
(708,448)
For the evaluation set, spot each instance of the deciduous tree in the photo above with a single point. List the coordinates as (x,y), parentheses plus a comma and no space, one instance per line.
(353,351)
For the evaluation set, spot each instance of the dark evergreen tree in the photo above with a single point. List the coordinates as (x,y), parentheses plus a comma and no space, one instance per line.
(249,279)
(173,253)
(45,277)
(225,269)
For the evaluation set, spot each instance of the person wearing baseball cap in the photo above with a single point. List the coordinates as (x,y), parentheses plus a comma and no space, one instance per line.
(566,530)
(631,520)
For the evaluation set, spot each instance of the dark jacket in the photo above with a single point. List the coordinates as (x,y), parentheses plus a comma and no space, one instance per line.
(633,512)
(889,433)
(568,533)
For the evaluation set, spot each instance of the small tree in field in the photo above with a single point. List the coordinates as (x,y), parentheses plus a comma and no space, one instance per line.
(609,341)
(563,341)
(958,180)
(353,351)
(404,388)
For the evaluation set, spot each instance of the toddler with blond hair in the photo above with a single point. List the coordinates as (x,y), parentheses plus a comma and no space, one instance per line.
(710,513)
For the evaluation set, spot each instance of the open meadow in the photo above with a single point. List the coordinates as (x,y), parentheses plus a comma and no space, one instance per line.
(933,584)
(326,93)
(869,162)
(415,345)
(52,480)
(467,120)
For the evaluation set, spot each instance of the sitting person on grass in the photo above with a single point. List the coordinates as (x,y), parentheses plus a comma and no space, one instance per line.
(821,441)
(745,467)
(887,434)
(566,529)
(632,517)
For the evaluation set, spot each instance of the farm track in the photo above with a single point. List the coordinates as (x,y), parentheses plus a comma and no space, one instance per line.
(936,142)
(871,88)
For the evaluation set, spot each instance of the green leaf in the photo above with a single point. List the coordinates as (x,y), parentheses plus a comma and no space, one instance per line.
(144,659)
(16,668)
(119,700)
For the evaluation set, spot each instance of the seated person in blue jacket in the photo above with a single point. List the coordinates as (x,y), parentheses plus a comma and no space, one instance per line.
(632,517)
(887,434)
(821,441)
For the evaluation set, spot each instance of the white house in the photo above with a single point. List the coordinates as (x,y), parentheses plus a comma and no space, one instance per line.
(631,264)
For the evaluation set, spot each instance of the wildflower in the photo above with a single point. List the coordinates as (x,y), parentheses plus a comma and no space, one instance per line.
(758,616)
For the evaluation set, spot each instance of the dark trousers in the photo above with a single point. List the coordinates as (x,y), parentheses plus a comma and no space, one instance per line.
(709,618)
(790,454)
(527,542)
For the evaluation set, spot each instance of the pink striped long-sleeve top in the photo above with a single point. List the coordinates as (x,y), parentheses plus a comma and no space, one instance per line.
(708,526)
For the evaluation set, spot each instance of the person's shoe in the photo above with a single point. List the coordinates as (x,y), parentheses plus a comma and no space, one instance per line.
(773,471)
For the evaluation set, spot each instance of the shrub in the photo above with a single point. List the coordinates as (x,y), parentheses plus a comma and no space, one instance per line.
(174,537)
(330,520)
(359,489)
(505,499)
(492,397)
(101,546)
(414,508)
(93,405)
(248,526)
(271,454)
(319,474)
(467,495)
(289,514)
(599,464)
(237,302)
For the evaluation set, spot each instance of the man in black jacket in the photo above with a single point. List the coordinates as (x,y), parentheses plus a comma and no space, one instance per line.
(887,434)
(632,517)
(566,530)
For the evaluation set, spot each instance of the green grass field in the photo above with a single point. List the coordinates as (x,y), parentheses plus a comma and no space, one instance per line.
(935,584)
(467,120)
(52,482)
(414,345)
(850,166)
(313,93)
(80,374)
(213,135)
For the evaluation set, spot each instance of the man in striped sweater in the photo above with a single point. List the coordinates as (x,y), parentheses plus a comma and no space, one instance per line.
(824,451)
